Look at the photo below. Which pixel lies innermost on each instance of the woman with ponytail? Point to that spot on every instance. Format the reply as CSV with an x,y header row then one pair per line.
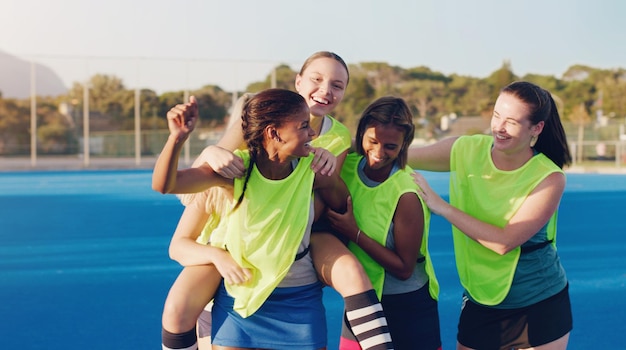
x,y
261,248
505,191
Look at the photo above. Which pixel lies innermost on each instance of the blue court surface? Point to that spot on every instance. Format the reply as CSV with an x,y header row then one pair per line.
x,y
84,262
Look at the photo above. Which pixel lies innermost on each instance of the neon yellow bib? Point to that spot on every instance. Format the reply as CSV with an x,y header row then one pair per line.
x,y
491,195
374,208
264,233
336,140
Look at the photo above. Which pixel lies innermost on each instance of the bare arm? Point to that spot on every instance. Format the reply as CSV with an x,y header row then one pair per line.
x,y
408,231
434,157
185,250
220,156
533,214
166,178
181,121
191,180
166,166
332,190
320,206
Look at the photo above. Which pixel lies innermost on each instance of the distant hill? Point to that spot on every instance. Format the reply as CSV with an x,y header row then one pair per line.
x,y
15,78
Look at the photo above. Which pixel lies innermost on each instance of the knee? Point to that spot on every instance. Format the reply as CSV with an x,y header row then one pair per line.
x,y
349,277
176,317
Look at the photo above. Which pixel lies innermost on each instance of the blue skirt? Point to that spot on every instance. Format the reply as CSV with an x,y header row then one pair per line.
x,y
291,318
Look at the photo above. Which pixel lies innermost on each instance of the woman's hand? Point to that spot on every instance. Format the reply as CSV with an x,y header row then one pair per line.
x,y
222,161
344,223
182,119
436,204
229,269
324,162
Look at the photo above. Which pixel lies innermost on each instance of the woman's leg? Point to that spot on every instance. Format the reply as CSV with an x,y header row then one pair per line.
x,y
190,293
340,269
559,344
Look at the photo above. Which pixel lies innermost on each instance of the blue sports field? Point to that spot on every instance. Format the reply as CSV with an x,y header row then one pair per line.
x,y
84,264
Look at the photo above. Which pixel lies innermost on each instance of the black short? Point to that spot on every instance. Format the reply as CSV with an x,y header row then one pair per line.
x,y
412,318
482,327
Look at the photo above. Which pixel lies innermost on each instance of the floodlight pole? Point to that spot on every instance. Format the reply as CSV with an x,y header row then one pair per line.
x,y
33,115
86,124
137,128
186,146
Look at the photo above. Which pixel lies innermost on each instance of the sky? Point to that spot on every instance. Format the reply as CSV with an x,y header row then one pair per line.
x,y
186,44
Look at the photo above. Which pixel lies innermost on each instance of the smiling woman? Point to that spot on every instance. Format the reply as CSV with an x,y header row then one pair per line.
x,y
505,191
261,248
388,225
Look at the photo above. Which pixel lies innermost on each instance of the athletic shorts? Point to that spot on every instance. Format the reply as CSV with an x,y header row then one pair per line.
x,y
482,327
204,322
291,318
412,320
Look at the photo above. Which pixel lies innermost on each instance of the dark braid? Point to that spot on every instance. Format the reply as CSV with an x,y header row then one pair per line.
x,y
268,108
253,148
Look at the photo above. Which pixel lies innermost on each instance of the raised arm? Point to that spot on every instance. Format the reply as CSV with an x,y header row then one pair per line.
x,y
533,214
181,120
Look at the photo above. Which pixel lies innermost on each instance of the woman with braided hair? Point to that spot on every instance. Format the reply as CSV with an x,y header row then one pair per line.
x,y
261,247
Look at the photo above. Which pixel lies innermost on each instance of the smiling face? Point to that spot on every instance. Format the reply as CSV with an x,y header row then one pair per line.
x,y
511,129
382,144
293,136
322,84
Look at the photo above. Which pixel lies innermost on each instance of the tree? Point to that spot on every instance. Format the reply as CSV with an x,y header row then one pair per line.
x,y
548,82
425,73
613,99
14,127
213,104
381,76
358,95
575,93
285,78
102,92
109,102
468,96
501,78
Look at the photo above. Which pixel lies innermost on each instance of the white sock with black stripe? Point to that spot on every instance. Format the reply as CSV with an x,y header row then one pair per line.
x,y
367,320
